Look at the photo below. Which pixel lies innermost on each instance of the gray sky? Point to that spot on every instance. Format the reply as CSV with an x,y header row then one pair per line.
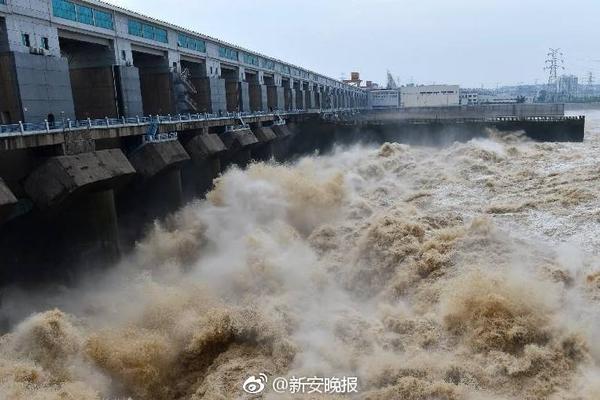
x,y
469,42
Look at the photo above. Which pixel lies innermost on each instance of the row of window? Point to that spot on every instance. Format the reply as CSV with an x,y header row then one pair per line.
x,y
147,31
91,16
226,52
442,92
26,39
251,59
283,68
191,43
83,14
268,64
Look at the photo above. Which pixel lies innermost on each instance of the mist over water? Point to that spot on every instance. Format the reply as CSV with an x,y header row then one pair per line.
x,y
465,272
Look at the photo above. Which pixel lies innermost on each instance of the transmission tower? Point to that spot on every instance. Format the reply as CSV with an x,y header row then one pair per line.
x,y
590,83
391,83
554,62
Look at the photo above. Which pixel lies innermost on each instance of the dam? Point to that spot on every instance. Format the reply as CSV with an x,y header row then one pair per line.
x,y
112,111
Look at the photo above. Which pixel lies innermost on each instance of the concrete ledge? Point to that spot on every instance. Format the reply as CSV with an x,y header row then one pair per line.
x,y
152,158
204,146
265,134
60,177
282,131
7,201
239,138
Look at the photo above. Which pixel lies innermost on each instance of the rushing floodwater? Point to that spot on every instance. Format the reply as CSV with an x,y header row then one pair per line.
x,y
468,272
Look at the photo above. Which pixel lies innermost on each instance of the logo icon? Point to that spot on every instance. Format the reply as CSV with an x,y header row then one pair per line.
x,y
254,385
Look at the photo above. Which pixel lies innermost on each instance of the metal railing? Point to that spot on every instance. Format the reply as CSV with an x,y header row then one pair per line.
x,y
434,119
68,125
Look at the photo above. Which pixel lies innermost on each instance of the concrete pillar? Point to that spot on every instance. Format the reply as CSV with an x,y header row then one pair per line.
x,y
92,230
7,201
59,178
258,97
309,97
34,88
244,97
206,150
318,97
276,97
300,96
275,92
290,95
78,190
239,143
263,151
159,166
211,96
280,146
212,90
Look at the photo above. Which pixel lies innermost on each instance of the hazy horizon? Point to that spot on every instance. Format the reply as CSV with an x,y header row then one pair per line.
x,y
422,41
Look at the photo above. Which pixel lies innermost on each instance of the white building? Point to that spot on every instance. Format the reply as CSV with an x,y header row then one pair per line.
x,y
429,96
384,98
496,99
468,98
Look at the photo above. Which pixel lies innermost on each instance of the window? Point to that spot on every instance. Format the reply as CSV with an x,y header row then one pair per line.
x,y
45,43
64,9
251,59
103,19
191,43
268,64
135,28
226,52
26,40
147,31
83,14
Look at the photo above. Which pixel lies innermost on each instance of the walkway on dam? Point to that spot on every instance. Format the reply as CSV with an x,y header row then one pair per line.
x,y
69,125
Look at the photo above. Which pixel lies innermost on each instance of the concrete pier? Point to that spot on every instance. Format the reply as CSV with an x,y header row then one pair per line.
x,y
264,150
7,201
206,150
152,158
159,165
60,178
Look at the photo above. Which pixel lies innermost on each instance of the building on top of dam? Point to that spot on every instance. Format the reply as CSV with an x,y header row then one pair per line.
x,y
63,59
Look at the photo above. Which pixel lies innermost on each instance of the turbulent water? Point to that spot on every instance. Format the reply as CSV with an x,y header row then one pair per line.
x,y
465,272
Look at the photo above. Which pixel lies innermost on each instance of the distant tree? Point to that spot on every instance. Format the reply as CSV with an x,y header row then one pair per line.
x,y
521,99
542,96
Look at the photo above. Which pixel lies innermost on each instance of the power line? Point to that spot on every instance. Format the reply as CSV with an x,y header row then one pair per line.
x,y
554,62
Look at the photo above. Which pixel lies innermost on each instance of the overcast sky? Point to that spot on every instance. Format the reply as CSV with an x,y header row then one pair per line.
x,y
467,42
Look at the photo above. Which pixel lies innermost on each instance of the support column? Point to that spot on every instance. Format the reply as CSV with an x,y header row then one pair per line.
x,y
244,89
264,150
300,96
281,144
318,96
290,95
34,88
77,190
159,166
211,88
206,150
7,201
257,91
239,143
309,97
275,93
